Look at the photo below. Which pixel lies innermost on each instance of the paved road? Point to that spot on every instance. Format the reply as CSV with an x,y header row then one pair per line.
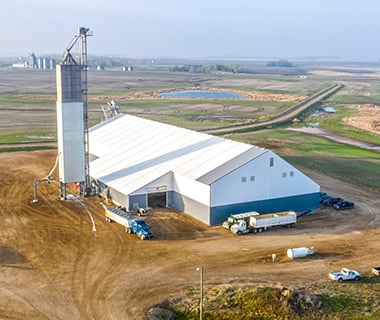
x,y
287,115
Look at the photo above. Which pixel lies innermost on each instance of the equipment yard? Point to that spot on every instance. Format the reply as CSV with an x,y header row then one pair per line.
x,y
55,266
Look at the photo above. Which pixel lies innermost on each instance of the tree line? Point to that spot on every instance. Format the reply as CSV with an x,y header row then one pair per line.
x,y
280,63
234,68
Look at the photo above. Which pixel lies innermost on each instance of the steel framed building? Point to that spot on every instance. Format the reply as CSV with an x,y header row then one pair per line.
x,y
144,163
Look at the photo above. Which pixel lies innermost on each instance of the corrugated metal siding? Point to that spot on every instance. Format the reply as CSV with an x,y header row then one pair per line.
x,y
118,197
192,207
70,127
70,123
298,203
69,83
137,201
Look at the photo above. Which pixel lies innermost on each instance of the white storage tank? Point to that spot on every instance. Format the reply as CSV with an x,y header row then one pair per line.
x,y
294,253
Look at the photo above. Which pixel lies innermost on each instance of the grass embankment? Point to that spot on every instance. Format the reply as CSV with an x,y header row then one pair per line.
x,y
324,301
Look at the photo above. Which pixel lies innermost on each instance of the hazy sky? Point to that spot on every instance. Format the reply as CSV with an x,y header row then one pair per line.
x,y
195,28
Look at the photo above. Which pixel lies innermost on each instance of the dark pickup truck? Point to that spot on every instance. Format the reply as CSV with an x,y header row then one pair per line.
x,y
341,205
330,202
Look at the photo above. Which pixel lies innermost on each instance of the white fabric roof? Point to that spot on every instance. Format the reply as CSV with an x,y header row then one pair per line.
x,y
132,151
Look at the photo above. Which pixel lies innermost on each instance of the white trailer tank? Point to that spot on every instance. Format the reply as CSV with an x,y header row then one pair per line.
x,y
294,253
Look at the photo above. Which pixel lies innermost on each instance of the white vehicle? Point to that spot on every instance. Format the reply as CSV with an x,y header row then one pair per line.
x,y
344,275
263,222
142,212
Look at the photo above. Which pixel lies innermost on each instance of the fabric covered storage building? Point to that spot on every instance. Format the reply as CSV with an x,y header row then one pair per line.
x,y
144,163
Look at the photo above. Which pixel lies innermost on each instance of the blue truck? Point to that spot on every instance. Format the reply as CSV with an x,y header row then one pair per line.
x,y
130,223
141,228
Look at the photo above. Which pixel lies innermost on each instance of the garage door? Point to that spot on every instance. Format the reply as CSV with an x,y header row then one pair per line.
x,y
157,200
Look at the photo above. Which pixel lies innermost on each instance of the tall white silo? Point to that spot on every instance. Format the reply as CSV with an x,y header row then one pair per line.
x,y
70,124
45,63
40,63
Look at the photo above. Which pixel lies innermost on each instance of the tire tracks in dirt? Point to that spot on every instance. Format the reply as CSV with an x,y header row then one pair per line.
x,y
91,286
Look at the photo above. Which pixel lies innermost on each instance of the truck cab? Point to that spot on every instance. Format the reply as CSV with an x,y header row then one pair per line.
x,y
234,218
229,222
240,227
141,228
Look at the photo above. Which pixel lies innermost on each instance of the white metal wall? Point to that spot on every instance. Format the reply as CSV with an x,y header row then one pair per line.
x,y
70,141
192,189
161,184
258,180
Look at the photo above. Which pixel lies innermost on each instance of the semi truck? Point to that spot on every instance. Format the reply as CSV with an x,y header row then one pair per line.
x,y
129,222
233,218
263,222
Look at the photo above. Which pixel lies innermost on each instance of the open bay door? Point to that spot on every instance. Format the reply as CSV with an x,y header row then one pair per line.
x,y
157,200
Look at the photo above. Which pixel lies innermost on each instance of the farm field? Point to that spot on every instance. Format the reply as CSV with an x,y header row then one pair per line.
x,y
54,266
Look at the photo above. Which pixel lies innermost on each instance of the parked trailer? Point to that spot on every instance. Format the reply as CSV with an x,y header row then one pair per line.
x,y
130,223
294,253
119,216
233,218
263,222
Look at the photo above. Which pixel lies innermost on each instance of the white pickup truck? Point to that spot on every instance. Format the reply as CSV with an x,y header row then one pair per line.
x,y
344,274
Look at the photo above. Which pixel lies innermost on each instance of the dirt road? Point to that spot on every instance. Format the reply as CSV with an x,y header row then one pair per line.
x,y
337,138
54,266
285,116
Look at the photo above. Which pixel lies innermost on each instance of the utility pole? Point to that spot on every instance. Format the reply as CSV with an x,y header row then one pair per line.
x,y
200,269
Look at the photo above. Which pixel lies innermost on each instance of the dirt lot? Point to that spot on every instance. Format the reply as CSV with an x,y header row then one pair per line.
x,y
367,118
54,266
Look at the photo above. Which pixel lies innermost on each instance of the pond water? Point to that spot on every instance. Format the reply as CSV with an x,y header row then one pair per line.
x,y
202,94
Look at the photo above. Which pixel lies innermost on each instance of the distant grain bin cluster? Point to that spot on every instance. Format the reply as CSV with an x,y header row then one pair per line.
x,y
34,62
